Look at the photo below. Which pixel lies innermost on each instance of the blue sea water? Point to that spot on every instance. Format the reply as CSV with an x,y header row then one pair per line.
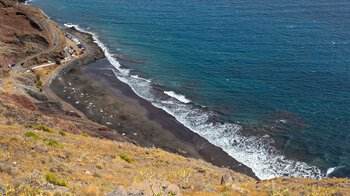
x,y
267,81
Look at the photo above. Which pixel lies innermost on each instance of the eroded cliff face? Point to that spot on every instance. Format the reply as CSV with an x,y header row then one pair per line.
x,y
25,31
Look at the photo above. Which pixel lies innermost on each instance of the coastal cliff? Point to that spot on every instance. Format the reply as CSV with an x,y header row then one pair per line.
x,y
27,33
52,146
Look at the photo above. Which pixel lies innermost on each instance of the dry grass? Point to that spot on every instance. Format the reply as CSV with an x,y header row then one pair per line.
x,y
87,164
6,84
84,160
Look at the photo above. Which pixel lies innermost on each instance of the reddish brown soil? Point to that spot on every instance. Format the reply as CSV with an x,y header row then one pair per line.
x,y
23,32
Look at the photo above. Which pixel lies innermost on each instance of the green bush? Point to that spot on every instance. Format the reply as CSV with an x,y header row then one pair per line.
x,y
61,132
37,77
125,158
38,82
45,128
41,127
33,135
52,142
85,135
50,177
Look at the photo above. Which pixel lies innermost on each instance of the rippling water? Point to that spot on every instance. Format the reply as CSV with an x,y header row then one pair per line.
x,y
268,81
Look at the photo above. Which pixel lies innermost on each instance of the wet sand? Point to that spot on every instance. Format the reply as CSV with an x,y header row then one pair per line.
x,y
94,90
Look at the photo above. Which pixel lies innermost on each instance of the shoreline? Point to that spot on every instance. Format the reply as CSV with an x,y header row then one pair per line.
x,y
263,164
163,130
235,155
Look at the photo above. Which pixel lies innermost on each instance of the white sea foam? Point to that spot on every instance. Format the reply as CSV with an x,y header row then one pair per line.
x,y
282,121
266,161
27,2
181,98
332,169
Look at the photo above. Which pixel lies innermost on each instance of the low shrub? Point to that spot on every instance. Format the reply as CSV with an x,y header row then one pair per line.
x,y
85,135
37,77
38,82
45,128
50,177
33,135
61,132
52,142
41,127
125,158
22,189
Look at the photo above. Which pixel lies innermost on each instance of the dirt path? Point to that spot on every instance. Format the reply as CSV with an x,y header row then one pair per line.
x,y
48,24
52,96
91,53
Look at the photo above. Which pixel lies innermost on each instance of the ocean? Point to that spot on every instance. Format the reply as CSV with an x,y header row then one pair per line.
x,y
267,81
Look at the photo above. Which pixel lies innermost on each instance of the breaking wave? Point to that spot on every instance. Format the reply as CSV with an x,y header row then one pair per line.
x,y
255,152
181,98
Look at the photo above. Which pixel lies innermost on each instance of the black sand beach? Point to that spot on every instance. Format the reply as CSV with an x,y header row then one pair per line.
x,y
94,90
90,86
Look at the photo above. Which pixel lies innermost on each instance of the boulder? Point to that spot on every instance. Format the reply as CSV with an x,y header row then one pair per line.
x,y
172,189
119,191
147,188
226,178
237,188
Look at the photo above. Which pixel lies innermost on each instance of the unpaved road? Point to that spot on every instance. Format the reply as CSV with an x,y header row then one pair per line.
x,y
45,24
